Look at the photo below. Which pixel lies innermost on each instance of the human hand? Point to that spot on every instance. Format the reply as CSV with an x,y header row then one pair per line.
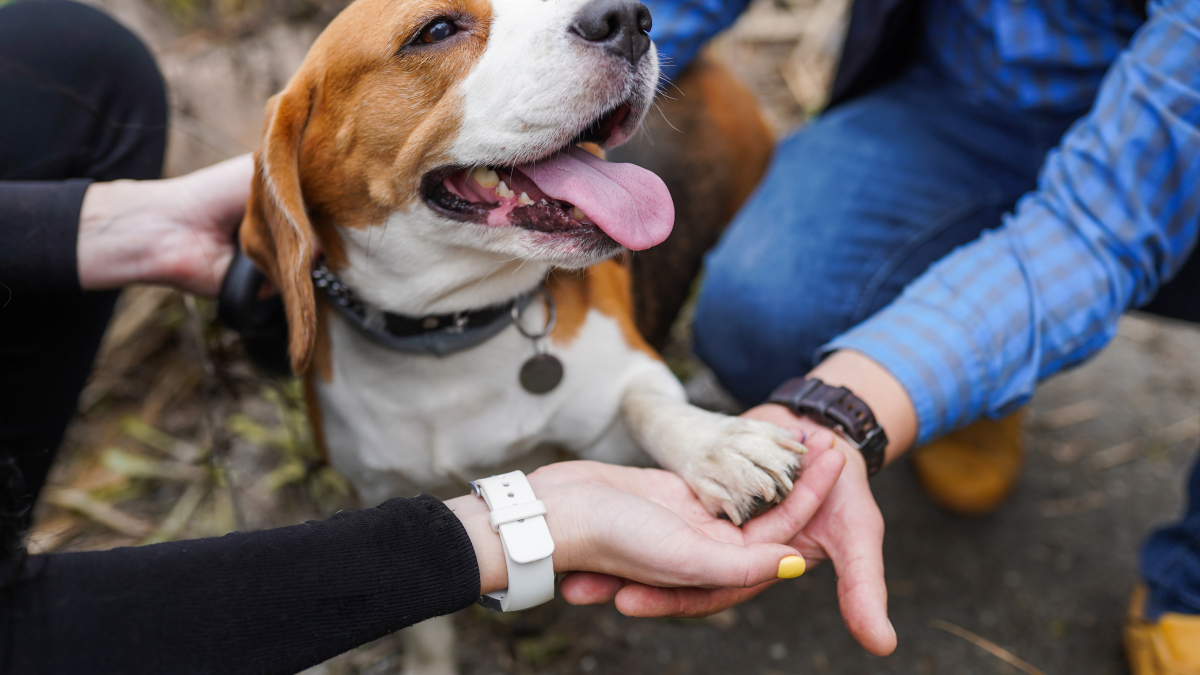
x,y
846,528
176,231
821,468
643,525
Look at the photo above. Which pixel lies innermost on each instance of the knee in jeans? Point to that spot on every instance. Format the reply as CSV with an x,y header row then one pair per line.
x,y
734,305
744,334
755,329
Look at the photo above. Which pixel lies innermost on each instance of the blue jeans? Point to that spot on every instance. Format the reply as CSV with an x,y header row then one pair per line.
x,y
855,206
1171,560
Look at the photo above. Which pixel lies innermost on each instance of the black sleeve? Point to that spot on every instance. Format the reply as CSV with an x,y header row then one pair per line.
x,y
276,601
39,228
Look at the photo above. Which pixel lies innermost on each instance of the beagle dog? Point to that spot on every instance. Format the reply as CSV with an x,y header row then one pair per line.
x,y
426,166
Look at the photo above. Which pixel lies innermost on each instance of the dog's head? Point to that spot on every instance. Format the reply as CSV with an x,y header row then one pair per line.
x,y
454,122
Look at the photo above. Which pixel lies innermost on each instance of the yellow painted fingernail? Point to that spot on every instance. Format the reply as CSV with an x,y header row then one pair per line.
x,y
791,567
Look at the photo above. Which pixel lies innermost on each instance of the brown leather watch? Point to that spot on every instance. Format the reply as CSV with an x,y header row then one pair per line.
x,y
839,409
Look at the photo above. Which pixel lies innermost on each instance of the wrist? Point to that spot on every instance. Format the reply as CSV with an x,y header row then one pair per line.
x,y
560,501
155,231
816,435
883,393
473,513
855,462
489,552
117,242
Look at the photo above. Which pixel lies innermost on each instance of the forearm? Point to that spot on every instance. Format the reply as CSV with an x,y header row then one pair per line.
x,y
275,601
472,512
122,239
1113,218
882,392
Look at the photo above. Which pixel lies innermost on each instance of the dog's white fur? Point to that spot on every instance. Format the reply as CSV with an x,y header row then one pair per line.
x,y
396,423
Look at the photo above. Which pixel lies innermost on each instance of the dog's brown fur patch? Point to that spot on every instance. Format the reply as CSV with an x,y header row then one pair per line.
x,y
340,146
603,287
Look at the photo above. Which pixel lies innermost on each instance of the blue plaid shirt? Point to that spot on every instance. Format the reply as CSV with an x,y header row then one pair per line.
x,y
1032,54
1114,216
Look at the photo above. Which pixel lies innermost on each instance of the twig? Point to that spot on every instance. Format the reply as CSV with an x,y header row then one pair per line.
x,y
96,510
1183,430
180,514
986,645
1071,414
1072,506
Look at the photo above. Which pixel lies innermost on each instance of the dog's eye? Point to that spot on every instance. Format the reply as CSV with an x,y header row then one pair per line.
x,y
438,30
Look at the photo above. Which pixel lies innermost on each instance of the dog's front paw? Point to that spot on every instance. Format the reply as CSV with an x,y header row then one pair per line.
x,y
744,469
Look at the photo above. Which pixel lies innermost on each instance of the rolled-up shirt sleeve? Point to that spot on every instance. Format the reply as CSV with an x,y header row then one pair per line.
x,y
1113,218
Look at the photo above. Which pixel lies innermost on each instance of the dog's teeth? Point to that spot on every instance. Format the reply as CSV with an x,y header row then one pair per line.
x,y
577,214
485,176
524,200
503,191
544,202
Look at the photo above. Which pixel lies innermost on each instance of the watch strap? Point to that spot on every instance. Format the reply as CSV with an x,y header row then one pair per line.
x,y
519,518
839,409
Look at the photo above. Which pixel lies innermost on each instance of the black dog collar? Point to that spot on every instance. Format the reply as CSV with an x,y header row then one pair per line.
x,y
437,334
262,323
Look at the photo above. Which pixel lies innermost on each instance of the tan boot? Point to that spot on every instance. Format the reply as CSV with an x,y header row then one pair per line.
x,y
973,470
1170,646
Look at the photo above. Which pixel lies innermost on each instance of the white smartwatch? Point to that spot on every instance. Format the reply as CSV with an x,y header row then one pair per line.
x,y
519,518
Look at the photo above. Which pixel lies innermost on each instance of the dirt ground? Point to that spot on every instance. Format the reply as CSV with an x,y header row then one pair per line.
x,y
177,437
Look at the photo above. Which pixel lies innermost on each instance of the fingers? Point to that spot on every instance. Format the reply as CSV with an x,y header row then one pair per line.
x,y
855,545
862,597
590,588
781,523
818,437
650,601
862,594
709,563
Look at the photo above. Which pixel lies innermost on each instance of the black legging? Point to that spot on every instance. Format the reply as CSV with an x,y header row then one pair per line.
x,y
81,100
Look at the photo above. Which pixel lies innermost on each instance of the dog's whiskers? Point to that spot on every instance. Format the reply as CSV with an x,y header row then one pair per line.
x,y
664,116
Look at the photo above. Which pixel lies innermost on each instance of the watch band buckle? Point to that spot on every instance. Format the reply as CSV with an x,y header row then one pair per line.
x,y
875,431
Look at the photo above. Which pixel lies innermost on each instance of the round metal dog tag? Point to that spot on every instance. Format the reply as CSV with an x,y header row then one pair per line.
x,y
541,373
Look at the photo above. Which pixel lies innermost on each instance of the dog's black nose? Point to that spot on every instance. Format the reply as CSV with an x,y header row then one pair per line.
x,y
620,26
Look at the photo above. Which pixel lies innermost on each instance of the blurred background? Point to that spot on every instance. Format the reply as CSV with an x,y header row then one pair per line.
x,y
178,437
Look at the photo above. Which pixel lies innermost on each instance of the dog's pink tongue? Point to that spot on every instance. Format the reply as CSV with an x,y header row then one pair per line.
x,y
629,203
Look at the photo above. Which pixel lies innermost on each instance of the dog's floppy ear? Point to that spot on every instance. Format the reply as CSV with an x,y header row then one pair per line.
x,y
276,232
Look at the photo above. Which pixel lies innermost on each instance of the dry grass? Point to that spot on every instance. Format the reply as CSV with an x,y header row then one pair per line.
x,y
177,437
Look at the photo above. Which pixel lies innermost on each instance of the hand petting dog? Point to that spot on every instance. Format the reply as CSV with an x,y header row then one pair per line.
x,y
178,231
